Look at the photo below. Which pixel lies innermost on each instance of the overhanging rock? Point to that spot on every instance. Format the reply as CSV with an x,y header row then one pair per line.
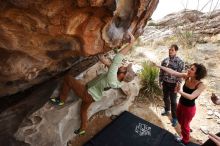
x,y
39,39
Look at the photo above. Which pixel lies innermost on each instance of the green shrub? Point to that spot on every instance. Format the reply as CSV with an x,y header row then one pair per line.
x,y
149,75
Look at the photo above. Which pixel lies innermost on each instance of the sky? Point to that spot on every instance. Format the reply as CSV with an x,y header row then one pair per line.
x,y
169,6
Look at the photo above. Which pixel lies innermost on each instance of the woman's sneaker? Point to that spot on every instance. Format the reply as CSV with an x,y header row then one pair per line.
x,y
179,140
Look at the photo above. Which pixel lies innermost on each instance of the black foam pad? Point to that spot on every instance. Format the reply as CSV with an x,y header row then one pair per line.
x,y
130,130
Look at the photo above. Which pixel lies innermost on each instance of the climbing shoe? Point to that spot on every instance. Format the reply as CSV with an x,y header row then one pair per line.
x,y
80,132
57,101
113,117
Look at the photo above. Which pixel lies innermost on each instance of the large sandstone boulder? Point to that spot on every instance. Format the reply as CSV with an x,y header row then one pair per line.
x,y
39,39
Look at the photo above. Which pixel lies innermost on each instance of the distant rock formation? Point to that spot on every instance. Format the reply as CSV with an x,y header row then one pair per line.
x,y
201,24
39,39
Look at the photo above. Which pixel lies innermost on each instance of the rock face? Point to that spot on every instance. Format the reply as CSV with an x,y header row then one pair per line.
x,y
54,126
39,39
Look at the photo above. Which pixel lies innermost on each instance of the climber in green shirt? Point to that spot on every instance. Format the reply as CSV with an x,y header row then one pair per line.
x,y
94,89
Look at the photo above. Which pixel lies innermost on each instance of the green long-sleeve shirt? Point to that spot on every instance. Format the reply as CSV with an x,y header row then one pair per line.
x,y
106,80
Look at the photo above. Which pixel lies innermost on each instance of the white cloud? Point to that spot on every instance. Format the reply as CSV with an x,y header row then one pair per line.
x,y
169,6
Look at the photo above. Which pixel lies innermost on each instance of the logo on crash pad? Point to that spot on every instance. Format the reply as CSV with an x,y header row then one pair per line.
x,y
143,129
